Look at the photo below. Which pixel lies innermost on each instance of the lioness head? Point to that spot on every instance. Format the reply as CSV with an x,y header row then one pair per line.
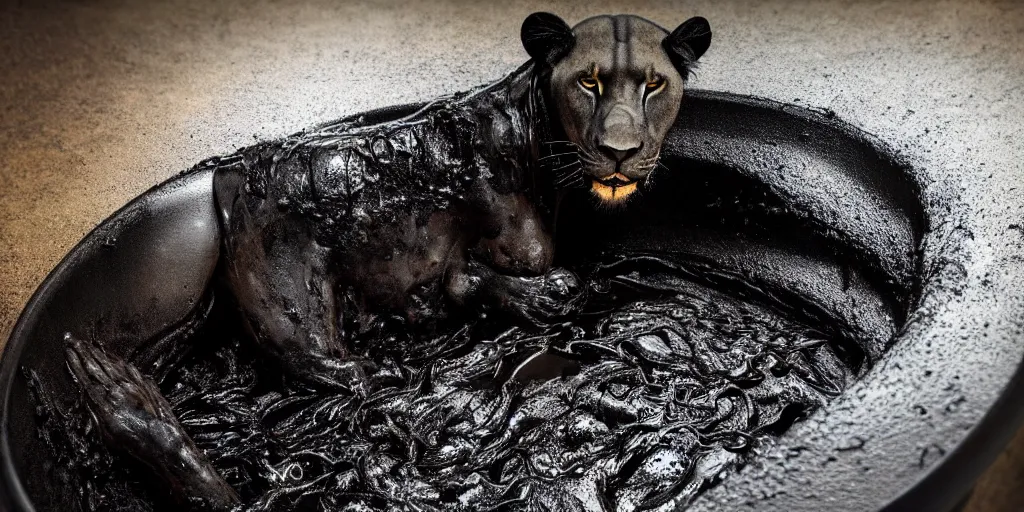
x,y
616,83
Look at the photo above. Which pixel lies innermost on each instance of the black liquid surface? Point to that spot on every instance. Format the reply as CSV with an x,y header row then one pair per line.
x,y
651,396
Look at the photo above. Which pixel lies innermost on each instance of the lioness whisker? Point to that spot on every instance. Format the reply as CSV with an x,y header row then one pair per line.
x,y
589,159
556,155
569,182
565,166
649,181
559,163
561,176
572,180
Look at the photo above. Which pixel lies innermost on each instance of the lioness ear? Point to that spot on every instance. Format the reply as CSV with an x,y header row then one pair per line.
x,y
687,43
546,37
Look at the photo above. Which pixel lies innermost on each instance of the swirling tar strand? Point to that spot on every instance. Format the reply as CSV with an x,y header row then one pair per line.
x,y
648,398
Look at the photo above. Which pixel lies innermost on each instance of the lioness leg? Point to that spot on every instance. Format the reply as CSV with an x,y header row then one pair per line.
x,y
516,276
280,278
539,300
135,418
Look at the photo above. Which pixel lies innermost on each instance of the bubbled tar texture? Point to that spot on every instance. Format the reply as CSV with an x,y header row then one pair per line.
x,y
349,180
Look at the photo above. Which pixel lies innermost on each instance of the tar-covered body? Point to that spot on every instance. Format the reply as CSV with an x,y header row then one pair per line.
x,y
448,208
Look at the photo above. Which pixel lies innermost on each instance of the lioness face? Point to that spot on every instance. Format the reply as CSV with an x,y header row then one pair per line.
x,y
616,83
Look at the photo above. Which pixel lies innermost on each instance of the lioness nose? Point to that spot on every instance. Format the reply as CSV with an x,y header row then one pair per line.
x,y
619,153
619,139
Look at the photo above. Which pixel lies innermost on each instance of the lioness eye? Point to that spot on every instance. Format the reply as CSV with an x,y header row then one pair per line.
x,y
588,82
655,84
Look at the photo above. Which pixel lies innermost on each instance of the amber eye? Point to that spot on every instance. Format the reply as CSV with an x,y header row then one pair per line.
x,y
654,85
589,82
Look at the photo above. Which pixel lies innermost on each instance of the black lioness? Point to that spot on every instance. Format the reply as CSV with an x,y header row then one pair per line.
x,y
455,201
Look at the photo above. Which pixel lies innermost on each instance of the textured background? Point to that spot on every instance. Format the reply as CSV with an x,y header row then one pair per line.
x,y
102,99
